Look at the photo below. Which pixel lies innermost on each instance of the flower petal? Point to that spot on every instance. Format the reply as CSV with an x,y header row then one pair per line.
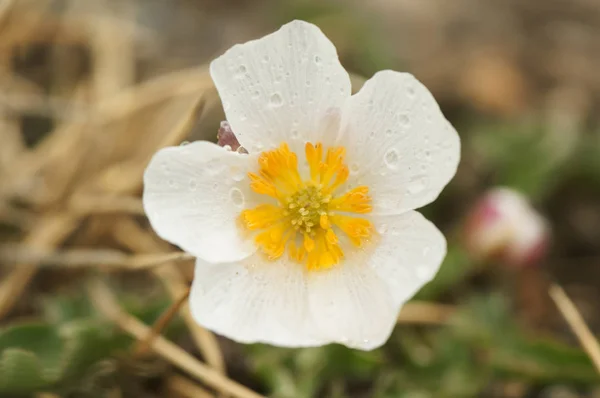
x,y
399,143
253,301
351,305
355,303
193,195
408,254
288,85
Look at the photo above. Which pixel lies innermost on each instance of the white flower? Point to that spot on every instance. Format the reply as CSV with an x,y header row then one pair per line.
x,y
503,225
311,238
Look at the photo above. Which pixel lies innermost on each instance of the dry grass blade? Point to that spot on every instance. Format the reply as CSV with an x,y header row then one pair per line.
x,y
425,313
577,323
77,258
166,317
51,230
130,235
182,387
102,204
106,303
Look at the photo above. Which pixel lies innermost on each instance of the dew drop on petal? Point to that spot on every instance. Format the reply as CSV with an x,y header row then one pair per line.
x,y
184,143
422,272
416,184
318,60
275,100
404,120
410,90
171,183
237,177
391,158
388,132
237,197
382,229
241,71
295,134
193,185
354,168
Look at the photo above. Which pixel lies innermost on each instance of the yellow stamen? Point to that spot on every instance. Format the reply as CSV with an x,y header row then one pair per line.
x,y
307,211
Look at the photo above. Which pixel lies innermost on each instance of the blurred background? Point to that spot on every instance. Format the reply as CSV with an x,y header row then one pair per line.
x,y
90,89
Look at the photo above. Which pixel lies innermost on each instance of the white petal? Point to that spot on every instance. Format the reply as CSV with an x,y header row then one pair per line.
x,y
408,254
399,143
286,86
355,303
193,195
351,305
253,301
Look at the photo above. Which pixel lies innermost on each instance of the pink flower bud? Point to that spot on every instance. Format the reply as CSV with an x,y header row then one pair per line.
x,y
504,226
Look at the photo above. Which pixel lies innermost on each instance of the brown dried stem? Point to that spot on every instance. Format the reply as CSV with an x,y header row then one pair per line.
x,y
104,300
577,323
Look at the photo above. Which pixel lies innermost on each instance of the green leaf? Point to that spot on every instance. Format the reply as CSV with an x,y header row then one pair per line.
x,y
21,372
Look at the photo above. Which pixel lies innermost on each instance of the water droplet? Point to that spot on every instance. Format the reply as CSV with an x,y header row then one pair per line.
x,y
184,143
410,90
328,80
422,272
417,184
354,167
276,100
388,132
295,134
215,186
391,158
227,148
243,117
238,176
241,71
404,120
237,197
372,134
317,60
382,228
171,183
308,83
226,105
255,94
193,185
366,341
266,59
426,251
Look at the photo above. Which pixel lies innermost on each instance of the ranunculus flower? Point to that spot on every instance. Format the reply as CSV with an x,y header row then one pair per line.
x,y
504,226
311,237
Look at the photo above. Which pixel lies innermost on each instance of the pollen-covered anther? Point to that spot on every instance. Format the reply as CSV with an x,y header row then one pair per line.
x,y
306,216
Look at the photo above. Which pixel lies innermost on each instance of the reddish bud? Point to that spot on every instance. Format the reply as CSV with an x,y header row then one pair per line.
x,y
504,226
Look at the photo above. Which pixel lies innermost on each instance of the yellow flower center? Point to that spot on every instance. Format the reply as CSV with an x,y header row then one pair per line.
x,y
306,213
